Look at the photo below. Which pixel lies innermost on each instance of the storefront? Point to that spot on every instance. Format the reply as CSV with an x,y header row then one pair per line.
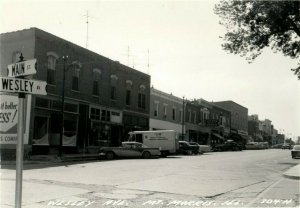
x,y
106,127
48,126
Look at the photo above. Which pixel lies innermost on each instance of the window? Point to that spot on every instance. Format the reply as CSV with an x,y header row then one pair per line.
x,y
95,113
142,100
156,109
165,111
174,114
195,117
180,115
95,88
97,77
113,92
75,79
128,97
190,116
51,65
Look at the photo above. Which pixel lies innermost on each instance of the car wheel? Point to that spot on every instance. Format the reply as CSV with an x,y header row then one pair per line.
x,y
109,155
189,152
146,155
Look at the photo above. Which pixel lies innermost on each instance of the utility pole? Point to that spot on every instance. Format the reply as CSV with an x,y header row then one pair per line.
x,y
87,28
148,61
182,125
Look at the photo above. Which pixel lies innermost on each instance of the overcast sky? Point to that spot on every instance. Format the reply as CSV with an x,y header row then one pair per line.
x,y
185,54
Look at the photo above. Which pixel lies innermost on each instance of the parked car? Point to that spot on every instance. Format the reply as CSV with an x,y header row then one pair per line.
x,y
205,148
129,150
186,148
199,147
296,151
277,146
254,146
229,145
286,146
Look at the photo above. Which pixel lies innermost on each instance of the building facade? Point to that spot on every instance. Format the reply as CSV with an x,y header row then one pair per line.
x,y
103,98
239,115
166,112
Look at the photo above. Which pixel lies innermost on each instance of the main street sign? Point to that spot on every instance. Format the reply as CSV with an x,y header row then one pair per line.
x,y
9,84
23,68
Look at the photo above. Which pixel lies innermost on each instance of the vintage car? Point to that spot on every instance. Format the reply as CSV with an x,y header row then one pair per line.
x,y
296,151
129,150
229,145
187,149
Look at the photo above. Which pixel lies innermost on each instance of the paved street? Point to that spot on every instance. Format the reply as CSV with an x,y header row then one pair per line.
x,y
218,179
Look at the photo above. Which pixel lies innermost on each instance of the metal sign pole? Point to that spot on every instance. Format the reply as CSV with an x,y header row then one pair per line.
x,y
20,150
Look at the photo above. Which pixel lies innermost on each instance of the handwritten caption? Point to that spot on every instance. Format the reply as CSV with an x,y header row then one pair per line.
x,y
172,203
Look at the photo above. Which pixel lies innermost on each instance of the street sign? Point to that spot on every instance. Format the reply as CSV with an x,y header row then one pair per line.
x,y
23,68
9,84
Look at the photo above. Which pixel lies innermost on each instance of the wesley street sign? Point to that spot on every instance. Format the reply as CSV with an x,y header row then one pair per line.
x,y
9,84
22,68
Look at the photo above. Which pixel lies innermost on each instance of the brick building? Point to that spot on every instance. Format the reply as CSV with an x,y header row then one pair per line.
x,y
103,98
166,112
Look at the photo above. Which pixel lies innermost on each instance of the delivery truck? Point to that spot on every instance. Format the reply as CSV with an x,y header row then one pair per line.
x,y
165,140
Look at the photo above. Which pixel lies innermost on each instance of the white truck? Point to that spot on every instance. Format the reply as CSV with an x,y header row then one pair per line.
x,y
165,140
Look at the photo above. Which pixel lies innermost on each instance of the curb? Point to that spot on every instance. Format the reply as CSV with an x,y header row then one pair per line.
x,y
292,177
293,172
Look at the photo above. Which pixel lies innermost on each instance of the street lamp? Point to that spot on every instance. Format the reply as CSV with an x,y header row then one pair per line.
x,y
65,59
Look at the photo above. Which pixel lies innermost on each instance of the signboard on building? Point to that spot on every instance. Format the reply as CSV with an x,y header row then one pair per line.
x,y
212,122
9,118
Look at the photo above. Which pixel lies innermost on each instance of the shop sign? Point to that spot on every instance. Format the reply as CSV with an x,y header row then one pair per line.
x,y
212,122
9,119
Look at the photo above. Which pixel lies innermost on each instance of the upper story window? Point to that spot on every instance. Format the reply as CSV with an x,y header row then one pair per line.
x,y
156,103
190,116
195,117
96,81
76,74
174,114
165,110
51,67
180,115
142,97
128,92
113,86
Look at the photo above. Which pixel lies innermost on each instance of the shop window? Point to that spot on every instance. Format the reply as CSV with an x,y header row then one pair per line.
x,y
41,102
40,131
105,115
95,113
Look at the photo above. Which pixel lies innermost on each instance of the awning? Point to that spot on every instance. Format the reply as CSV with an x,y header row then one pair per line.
x,y
218,136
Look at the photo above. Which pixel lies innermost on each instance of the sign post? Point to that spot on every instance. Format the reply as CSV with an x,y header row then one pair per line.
x,y
22,86
20,152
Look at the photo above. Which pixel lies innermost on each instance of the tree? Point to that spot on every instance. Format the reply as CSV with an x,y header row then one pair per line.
x,y
253,25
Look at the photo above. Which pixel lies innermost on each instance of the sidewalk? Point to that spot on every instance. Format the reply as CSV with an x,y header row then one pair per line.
x,y
36,159
293,173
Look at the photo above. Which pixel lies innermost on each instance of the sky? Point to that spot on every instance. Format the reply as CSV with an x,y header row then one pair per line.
x,y
178,43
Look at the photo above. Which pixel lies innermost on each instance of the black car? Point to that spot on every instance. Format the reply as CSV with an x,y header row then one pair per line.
x,y
227,146
187,149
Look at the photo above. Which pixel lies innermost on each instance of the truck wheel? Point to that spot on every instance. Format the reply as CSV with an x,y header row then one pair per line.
x,y
109,155
189,152
146,155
